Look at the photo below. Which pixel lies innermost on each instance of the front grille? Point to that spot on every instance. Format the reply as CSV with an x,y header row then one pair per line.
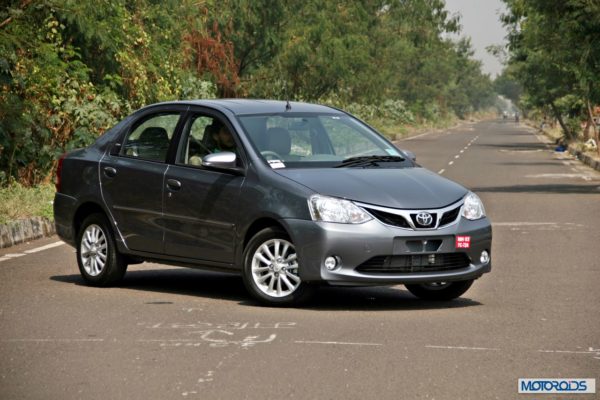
x,y
405,264
388,218
449,216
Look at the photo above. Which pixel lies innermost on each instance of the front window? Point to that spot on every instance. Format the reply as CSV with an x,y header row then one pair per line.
x,y
203,135
299,140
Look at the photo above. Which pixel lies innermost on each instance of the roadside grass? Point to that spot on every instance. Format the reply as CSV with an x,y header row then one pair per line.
x,y
18,201
395,131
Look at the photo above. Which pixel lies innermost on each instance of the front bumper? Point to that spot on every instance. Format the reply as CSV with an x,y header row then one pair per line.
x,y
354,245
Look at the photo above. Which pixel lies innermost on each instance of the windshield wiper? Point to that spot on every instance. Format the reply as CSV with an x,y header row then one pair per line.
x,y
368,160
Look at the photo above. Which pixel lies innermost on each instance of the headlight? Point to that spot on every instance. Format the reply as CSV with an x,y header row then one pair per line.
x,y
331,209
473,207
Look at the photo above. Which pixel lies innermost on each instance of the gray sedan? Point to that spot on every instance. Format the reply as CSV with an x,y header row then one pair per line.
x,y
290,195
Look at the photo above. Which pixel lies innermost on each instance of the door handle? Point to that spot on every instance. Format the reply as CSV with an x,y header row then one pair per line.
x,y
110,172
173,184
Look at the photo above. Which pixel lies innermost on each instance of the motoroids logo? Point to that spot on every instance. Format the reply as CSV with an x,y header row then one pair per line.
x,y
556,385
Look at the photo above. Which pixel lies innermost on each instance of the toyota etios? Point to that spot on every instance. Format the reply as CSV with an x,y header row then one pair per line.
x,y
288,194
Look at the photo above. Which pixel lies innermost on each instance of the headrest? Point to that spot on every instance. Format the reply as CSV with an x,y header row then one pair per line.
x,y
155,135
279,141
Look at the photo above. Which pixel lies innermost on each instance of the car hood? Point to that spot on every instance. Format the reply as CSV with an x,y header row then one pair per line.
x,y
407,188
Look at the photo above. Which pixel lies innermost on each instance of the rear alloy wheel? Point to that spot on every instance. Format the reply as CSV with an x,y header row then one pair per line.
x,y
440,291
271,269
99,262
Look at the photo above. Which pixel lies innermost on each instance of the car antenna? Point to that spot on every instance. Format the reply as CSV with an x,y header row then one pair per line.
x,y
288,106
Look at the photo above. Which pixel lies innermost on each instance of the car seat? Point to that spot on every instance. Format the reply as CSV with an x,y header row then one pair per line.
x,y
153,144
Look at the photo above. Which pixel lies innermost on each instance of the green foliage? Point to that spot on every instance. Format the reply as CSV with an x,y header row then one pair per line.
x,y
507,85
392,110
69,69
555,55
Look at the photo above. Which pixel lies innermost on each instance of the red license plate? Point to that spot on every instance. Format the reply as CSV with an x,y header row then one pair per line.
x,y
463,242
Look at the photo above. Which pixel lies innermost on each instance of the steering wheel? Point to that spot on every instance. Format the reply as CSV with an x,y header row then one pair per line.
x,y
270,155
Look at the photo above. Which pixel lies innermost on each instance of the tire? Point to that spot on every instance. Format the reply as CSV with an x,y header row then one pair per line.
x,y
440,291
270,270
95,245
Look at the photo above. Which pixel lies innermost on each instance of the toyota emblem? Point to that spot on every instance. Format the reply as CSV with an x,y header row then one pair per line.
x,y
424,218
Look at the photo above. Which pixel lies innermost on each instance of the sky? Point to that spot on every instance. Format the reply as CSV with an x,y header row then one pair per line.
x,y
480,19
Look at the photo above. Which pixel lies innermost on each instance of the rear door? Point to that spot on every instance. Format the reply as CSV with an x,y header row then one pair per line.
x,y
201,205
133,178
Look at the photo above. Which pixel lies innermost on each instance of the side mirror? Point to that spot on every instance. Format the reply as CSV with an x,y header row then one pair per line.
x,y
223,160
410,155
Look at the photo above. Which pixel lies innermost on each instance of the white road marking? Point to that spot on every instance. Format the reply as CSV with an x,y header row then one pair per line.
x,y
441,171
559,176
539,226
462,151
523,223
42,248
597,352
10,256
340,343
451,162
457,156
418,136
462,348
53,340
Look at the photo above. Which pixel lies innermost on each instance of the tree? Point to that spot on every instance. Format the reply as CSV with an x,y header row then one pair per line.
x,y
555,54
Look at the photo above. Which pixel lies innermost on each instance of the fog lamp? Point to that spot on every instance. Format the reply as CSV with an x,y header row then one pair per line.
x,y
485,257
331,263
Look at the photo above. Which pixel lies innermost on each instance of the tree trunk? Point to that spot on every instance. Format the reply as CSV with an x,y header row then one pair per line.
x,y
590,124
564,127
586,131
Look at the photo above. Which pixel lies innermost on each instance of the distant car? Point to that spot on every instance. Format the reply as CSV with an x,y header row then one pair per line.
x,y
290,195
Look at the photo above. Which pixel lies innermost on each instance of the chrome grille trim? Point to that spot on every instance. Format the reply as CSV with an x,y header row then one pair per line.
x,y
406,214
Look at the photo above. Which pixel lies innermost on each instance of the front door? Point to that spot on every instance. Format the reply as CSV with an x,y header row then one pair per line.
x,y
200,205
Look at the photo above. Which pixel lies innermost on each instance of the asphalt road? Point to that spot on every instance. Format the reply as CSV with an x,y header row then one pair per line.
x,y
173,333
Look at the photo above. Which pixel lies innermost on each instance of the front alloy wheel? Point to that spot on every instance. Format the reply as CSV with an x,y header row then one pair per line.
x,y
275,268
271,269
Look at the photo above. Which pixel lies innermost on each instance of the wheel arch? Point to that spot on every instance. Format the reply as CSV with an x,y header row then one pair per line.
x,y
85,209
259,225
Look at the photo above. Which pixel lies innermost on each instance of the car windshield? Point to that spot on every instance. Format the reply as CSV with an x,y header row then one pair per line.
x,y
300,140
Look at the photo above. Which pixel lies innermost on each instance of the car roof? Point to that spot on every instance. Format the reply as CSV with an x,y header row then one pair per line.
x,y
252,106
